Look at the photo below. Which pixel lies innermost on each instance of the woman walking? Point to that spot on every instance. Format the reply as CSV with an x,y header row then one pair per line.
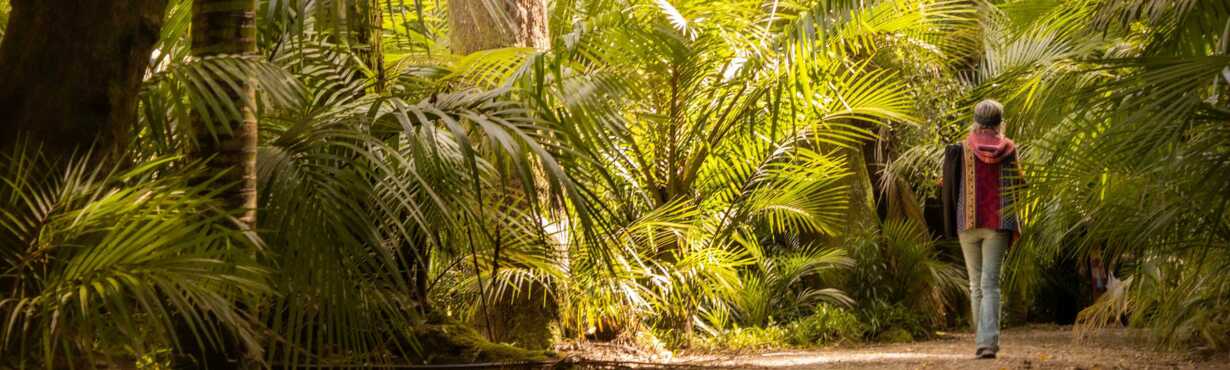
x,y
981,173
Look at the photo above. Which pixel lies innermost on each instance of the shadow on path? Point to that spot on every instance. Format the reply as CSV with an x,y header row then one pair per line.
x,y
1031,347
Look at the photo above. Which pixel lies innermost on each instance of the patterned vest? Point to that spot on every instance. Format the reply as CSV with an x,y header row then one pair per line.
x,y
1009,180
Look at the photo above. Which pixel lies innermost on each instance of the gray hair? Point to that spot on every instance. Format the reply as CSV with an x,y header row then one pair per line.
x,y
989,114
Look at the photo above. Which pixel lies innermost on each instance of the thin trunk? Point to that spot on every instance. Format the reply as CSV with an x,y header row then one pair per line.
x,y
417,248
903,203
366,22
862,215
894,198
71,71
228,27
476,25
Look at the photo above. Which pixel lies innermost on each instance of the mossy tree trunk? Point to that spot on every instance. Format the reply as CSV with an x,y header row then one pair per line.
x,y
70,72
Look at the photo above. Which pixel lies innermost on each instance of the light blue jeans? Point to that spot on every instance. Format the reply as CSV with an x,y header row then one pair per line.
x,y
984,254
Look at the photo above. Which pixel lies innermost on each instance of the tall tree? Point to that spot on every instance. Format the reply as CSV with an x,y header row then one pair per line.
x,y
476,25
71,71
228,142
489,24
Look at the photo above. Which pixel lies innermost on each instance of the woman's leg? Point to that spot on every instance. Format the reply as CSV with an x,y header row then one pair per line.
x,y
971,247
993,246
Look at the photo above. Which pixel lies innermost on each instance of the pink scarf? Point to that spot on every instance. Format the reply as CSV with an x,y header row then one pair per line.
x,y
990,146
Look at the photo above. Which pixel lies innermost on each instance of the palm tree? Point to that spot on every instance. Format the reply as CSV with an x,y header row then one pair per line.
x,y
227,140
659,166
1157,118
695,115
106,264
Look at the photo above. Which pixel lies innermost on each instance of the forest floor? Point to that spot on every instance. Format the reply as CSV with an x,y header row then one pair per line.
x,y
1030,347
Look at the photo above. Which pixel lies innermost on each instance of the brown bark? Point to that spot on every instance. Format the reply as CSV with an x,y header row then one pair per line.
x,y
225,27
489,24
70,72
228,27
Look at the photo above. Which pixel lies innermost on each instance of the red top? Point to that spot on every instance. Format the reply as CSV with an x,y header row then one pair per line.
x,y
986,194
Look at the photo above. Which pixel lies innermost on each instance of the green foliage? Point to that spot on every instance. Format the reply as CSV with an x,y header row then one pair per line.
x,y
358,189
748,339
712,139
1119,110
1133,172
103,262
902,267
659,204
893,322
780,286
827,325
1179,303
4,16
453,342
666,167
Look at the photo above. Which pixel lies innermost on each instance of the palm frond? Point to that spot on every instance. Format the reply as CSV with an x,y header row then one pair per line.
x,y
120,253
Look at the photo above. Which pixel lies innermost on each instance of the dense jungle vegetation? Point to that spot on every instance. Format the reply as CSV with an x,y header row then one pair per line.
x,y
284,183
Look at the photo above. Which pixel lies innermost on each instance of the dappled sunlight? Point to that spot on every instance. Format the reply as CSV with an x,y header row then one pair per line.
x,y
281,184
803,359
1035,346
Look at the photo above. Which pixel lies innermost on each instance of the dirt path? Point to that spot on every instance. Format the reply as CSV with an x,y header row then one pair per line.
x,y
1034,347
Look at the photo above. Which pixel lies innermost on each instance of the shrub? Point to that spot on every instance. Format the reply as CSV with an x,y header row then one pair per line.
x,y
884,320
749,338
827,325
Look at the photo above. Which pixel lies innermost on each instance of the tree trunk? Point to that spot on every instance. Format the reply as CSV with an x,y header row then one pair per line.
x,y
365,22
894,198
489,24
228,27
862,211
70,72
476,25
